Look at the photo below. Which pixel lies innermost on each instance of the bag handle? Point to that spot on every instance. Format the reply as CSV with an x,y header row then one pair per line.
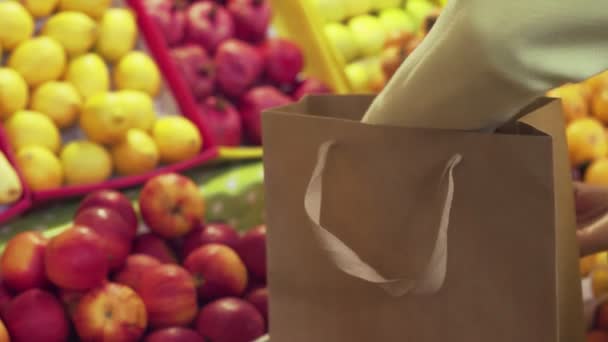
x,y
349,262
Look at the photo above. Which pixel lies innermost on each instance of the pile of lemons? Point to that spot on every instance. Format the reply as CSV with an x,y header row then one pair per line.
x,y
79,68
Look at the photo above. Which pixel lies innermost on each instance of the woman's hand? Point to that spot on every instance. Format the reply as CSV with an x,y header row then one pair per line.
x,y
592,217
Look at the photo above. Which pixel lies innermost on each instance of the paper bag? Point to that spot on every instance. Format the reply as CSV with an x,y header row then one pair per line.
x,y
395,234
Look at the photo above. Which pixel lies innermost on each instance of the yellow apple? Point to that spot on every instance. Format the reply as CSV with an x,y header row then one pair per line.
x,y
369,34
384,4
396,19
343,39
358,77
418,10
332,10
358,7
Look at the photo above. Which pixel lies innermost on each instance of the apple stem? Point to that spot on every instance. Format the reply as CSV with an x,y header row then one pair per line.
x,y
213,12
205,70
220,104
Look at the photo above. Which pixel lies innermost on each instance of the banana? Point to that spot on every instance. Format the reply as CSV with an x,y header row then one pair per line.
x,y
10,185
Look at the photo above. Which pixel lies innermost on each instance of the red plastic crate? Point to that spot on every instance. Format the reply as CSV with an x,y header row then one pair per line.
x,y
25,202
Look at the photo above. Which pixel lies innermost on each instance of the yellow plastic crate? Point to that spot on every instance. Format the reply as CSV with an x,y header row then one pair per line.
x,y
299,21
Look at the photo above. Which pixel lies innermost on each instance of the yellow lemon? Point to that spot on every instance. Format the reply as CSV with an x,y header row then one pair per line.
x,y
38,60
13,92
60,101
137,71
177,139
140,107
75,31
104,120
85,162
27,128
136,154
40,167
16,25
117,34
40,8
89,74
92,8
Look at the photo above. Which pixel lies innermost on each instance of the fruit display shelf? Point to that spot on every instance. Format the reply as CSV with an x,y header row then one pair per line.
x,y
24,202
356,45
168,102
228,63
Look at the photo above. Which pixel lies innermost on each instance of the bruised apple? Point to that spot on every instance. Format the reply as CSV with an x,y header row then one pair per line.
x,y
218,271
112,312
36,315
210,233
169,294
155,247
22,263
171,205
244,321
113,200
115,233
76,260
134,269
175,334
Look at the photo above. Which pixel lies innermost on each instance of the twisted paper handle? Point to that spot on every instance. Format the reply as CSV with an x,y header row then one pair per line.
x,y
349,262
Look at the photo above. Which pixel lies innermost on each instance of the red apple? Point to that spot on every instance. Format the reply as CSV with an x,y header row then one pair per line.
x,y
113,200
70,299
75,259
208,24
113,230
252,249
176,334
171,205
238,66
259,299
224,121
5,299
169,293
197,68
251,18
135,268
155,247
283,60
253,103
230,320
218,271
112,312
211,233
36,315
311,86
170,16
22,263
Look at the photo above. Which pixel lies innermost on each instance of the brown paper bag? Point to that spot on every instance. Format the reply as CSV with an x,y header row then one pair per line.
x,y
395,234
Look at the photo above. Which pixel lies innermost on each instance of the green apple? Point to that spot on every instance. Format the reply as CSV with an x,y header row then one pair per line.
x,y
384,4
418,10
343,39
395,20
369,34
332,10
358,7
358,76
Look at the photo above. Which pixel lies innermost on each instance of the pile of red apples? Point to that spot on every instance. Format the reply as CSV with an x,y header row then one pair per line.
x,y
103,280
232,68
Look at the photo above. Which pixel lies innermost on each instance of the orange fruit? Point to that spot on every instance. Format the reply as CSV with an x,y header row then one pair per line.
x,y
598,82
599,281
597,173
599,105
574,102
586,265
587,140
